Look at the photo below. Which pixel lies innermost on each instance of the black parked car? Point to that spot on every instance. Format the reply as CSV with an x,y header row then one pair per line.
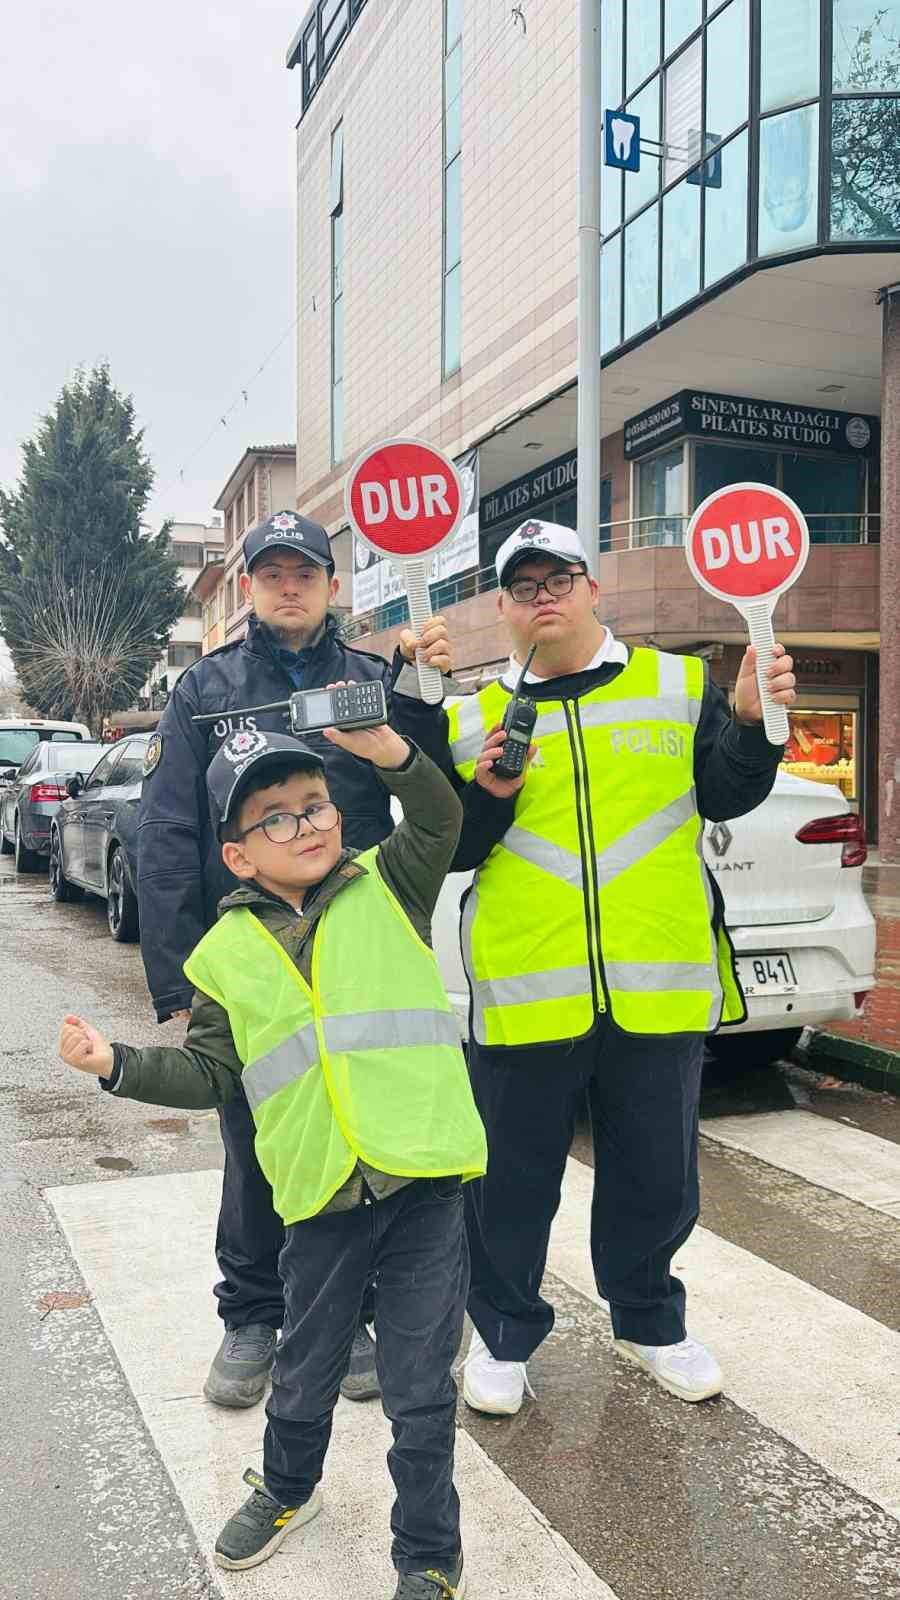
x,y
93,839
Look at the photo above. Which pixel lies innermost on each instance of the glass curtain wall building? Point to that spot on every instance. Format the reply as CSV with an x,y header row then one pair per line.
x,y
770,128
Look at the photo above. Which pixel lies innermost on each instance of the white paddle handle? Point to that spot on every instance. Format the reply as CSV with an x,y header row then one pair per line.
x,y
431,687
775,718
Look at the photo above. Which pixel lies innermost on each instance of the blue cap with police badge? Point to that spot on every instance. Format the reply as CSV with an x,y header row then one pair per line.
x,y
287,530
251,752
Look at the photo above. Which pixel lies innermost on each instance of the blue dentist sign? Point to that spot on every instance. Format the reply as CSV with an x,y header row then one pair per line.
x,y
622,140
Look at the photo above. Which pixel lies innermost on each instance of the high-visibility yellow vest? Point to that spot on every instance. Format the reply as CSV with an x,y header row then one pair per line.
x,y
365,1064
597,897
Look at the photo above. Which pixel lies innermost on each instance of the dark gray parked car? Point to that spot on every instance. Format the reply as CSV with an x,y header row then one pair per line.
x,y
29,800
93,840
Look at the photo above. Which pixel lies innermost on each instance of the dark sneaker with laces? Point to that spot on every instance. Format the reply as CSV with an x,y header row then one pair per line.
x,y
432,1584
361,1380
241,1366
254,1533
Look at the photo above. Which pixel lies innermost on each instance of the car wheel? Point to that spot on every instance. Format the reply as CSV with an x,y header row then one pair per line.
x,y
121,902
26,860
741,1052
60,887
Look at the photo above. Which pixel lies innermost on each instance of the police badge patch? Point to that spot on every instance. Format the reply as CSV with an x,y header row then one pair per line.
x,y
153,754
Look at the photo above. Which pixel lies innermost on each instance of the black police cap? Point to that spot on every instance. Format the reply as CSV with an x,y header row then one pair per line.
x,y
287,530
249,752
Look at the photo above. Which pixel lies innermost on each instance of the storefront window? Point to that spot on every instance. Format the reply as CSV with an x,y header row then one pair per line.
x,y
866,44
611,294
642,54
823,747
682,17
681,245
683,89
717,465
865,159
641,186
661,491
726,213
641,271
789,52
830,493
788,180
727,71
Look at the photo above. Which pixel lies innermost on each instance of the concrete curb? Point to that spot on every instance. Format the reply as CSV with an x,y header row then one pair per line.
x,y
871,1065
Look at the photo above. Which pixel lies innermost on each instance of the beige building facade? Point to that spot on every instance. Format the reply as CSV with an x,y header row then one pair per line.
x,y
262,483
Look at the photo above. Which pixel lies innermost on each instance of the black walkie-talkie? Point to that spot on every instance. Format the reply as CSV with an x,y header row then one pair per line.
x,y
518,725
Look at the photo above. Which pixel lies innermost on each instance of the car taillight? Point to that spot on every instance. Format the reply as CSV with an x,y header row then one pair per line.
x,y
46,791
846,830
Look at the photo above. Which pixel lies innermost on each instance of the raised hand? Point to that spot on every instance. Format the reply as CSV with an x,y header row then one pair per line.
x,y
502,788
782,683
83,1047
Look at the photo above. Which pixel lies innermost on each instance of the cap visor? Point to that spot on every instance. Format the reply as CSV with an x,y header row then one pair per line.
x,y
293,545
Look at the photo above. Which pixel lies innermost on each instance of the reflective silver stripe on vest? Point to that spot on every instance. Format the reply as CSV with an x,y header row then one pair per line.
x,y
652,977
288,1061
470,723
640,840
390,1030
655,708
552,858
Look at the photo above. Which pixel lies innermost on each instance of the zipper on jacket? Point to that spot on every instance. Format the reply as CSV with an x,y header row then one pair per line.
x,y
588,866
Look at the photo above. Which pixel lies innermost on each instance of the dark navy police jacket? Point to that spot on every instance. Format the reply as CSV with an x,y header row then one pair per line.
x,y
181,878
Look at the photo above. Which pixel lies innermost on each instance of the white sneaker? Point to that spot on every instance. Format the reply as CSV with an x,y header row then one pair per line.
x,y
497,1387
687,1370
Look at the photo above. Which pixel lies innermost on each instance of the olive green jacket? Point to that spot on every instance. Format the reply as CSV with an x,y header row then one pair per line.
x,y
413,861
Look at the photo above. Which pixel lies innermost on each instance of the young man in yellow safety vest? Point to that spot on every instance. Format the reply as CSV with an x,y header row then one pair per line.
x,y
596,955
317,992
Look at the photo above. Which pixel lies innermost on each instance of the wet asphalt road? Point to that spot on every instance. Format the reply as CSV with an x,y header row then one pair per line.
x,y
666,1502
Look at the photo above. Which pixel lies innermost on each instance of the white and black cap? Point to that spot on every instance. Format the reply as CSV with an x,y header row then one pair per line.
x,y
251,751
534,538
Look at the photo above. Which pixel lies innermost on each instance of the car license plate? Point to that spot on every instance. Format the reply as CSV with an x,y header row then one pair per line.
x,y
772,974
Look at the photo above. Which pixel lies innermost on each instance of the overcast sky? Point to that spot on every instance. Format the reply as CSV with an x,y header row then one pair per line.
x,y
147,205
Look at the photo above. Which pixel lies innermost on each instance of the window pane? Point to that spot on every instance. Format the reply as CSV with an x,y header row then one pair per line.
x,y
454,21
452,320
610,200
336,188
682,17
642,54
789,52
865,160
831,493
642,186
661,490
727,71
453,129
726,213
611,55
611,295
683,89
681,245
866,44
717,465
452,213
334,26
788,180
337,422
337,340
453,74
641,271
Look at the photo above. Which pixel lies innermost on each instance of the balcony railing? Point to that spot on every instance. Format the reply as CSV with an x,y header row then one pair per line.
x,y
636,533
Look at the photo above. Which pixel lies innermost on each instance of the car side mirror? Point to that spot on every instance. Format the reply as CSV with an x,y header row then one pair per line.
x,y
74,785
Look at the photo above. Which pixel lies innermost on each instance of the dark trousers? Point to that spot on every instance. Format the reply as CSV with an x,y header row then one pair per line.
x,y
414,1245
250,1234
643,1095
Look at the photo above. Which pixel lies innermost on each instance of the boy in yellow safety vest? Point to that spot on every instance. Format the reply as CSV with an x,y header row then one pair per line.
x,y
318,993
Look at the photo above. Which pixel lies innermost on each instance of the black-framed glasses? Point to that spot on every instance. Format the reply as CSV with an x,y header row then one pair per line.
x,y
282,827
556,584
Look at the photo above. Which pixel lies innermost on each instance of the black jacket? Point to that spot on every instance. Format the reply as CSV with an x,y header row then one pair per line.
x,y
181,878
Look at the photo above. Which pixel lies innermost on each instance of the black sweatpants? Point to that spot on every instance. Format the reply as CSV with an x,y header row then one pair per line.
x,y
414,1245
250,1234
643,1095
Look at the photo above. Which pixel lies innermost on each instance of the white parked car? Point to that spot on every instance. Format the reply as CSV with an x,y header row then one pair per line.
x,y
791,878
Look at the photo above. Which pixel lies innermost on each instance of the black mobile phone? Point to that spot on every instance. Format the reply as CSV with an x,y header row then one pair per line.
x,y
350,705
518,725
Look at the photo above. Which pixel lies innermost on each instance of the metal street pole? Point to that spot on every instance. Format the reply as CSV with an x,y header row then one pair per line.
x,y
589,249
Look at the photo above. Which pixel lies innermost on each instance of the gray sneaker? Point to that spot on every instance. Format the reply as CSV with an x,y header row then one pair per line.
x,y
361,1379
241,1366
254,1533
432,1584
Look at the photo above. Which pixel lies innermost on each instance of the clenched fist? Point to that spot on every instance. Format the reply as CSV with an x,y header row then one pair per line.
x,y
83,1047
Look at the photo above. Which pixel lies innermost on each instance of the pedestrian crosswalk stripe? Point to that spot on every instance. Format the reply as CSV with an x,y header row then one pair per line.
x,y
820,1373
163,1327
847,1161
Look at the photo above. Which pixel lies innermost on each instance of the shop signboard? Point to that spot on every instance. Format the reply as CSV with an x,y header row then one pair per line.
x,y
533,489
739,419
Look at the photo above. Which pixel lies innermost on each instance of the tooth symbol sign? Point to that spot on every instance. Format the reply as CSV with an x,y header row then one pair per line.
x,y
622,135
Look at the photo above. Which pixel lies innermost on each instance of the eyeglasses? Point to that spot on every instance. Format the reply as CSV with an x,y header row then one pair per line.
x,y
283,826
556,584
